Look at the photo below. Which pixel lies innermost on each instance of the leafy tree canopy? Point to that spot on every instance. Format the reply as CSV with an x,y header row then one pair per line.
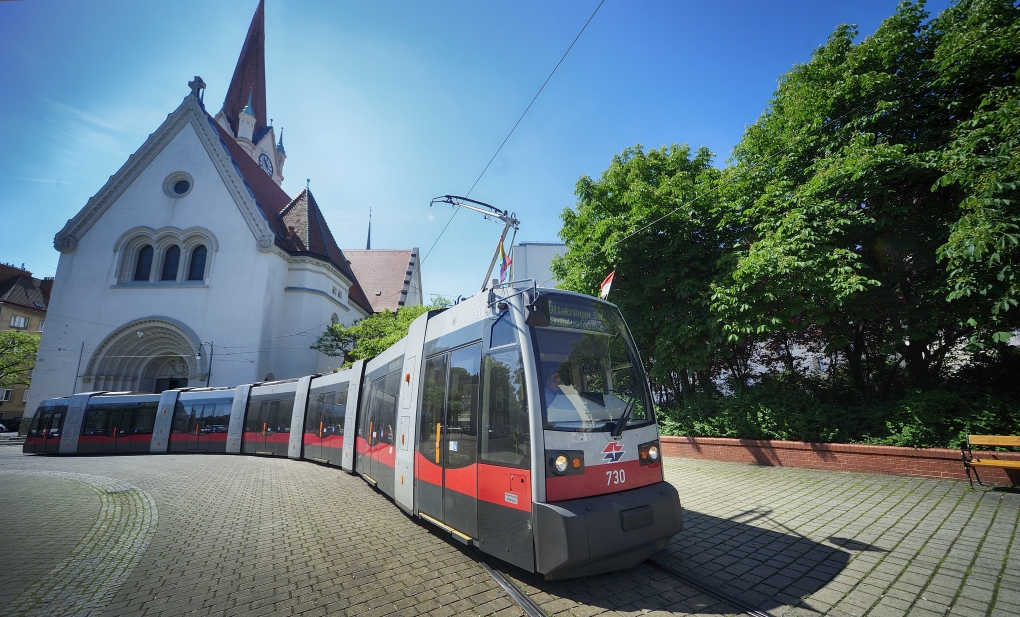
x,y
17,357
371,336
648,218
870,215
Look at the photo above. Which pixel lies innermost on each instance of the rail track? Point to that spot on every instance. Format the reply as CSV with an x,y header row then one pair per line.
x,y
531,609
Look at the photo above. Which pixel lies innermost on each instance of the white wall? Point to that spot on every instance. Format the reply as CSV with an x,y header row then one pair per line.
x,y
88,303
531,260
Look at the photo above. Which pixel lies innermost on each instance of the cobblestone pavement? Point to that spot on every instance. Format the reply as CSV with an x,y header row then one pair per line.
x,y
243,535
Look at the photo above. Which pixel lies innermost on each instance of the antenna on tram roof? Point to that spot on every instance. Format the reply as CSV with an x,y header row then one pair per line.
x,y
509,220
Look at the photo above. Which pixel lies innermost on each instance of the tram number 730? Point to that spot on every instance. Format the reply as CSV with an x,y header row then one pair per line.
x,y
615,476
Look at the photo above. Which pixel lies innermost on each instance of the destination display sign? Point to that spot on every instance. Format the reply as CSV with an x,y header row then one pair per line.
x,y
569,313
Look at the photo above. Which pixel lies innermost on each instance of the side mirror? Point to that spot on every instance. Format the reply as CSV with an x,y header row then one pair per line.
x,y
538,312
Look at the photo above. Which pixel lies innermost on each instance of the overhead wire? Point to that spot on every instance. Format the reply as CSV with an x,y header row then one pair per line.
x,y
507,138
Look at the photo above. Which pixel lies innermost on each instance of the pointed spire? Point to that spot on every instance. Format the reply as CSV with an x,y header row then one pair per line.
x,y
279,146
247,108
250,75
368,244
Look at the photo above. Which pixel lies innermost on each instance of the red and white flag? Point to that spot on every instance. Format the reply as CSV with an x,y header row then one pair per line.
x,y
606,284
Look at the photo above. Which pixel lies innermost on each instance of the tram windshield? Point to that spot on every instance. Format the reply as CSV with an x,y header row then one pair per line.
x,y
588,367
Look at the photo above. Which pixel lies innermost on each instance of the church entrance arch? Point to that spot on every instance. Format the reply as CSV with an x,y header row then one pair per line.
x,y
146,355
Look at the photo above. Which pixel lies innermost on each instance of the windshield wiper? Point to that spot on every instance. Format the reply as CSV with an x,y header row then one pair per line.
x,y
622,422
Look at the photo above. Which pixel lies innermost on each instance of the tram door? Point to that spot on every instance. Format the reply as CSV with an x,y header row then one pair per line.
x,y
267,423
262,423
315,425
119,420
448,446
379,461
44,432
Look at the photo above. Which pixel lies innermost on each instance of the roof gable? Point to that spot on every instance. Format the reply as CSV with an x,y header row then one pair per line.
x,y
233,165
305,231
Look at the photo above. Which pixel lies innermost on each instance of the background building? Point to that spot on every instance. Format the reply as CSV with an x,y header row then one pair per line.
x,y
532,259
391,278
23,301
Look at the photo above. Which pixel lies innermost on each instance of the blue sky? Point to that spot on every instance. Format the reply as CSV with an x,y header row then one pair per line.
x,y
388,104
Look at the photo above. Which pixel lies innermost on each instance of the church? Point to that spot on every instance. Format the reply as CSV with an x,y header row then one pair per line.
x,y
192,267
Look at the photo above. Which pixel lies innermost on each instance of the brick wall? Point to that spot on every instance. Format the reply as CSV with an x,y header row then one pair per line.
x,y
917,462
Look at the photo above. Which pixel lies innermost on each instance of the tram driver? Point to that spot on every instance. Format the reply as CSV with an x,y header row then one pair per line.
x,y
560,409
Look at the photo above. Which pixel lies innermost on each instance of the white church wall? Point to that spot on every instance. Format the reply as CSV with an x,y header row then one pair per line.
x,y
88,302
309,306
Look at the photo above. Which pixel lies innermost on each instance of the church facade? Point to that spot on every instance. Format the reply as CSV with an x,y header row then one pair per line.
x,y
191,253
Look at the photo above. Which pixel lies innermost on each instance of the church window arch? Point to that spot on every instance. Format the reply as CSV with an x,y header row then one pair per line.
x,y
191,262
171,260
143,265
196,267
334,319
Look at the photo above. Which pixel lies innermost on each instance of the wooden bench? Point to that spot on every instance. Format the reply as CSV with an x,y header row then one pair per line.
x,y
987,440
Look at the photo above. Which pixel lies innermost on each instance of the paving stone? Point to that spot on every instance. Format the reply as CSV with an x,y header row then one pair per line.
x,y
248,536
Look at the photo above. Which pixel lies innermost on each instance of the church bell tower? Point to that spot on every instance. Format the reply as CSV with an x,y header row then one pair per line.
x,y
244,108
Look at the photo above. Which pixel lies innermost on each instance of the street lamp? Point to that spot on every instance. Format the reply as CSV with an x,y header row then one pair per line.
x,y
198,356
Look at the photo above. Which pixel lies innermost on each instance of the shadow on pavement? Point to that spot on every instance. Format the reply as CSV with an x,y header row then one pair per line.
x,y
749,556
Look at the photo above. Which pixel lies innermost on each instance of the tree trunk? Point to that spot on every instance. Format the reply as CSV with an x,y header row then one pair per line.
x,y
917,364
855,359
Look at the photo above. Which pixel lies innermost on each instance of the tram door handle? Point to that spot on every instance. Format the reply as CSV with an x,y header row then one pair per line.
x,y
439,434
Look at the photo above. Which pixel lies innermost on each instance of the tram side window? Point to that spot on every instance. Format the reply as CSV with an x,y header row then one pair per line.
x,y
462,407
386,413
39,422
218,416
334,410
286,414
253,417
145,418
503,332
433,407
314,412
506,430
180,422
47,421
94,422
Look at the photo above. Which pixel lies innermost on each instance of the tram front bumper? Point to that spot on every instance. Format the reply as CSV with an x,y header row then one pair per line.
x,y
593,535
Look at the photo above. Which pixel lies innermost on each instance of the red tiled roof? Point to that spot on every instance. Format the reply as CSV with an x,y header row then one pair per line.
x,y
281,211
250,77
306,231
384,275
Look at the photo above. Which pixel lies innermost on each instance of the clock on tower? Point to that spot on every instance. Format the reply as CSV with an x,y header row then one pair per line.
x,y
265,163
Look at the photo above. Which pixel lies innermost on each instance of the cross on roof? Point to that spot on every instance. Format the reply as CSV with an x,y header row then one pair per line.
x,y
196,86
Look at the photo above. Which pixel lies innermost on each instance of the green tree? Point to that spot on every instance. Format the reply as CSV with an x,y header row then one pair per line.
x,y
983,251
371,336
17,357
838,199
650,218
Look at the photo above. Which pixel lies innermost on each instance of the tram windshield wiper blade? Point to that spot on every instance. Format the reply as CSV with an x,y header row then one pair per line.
x,y
622,422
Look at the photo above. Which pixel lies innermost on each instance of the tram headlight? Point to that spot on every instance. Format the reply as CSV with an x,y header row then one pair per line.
x,y
564,463
648,453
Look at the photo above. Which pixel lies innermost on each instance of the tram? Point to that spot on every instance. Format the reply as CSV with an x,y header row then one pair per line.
x,y
519,421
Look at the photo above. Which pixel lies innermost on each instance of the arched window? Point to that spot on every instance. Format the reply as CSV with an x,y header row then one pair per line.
x,y
333,319
197,270
170,263
144,265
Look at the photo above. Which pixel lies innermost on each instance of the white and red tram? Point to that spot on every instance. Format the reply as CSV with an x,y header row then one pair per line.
x,y
519,420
